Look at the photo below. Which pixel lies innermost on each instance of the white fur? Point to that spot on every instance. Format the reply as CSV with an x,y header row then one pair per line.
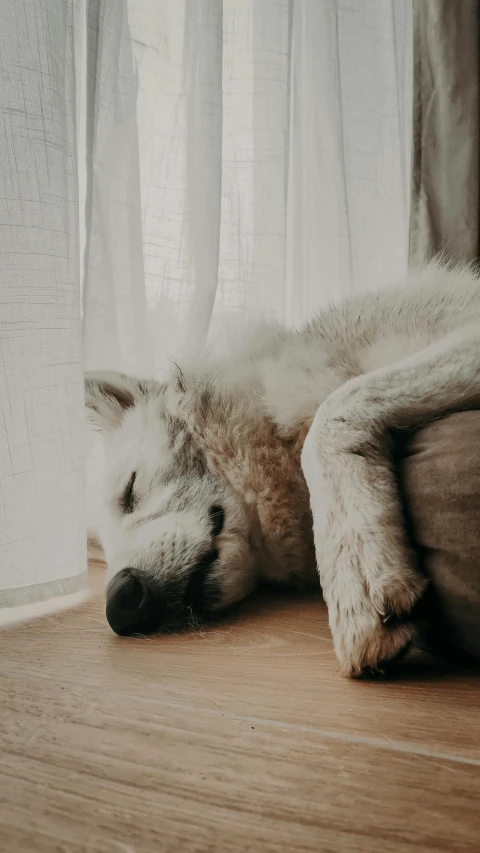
x,y
384,360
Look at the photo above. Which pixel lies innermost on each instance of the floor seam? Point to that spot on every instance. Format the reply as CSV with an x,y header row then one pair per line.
x,y
406,747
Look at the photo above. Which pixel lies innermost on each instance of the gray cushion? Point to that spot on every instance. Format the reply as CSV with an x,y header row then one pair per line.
x,y
440,479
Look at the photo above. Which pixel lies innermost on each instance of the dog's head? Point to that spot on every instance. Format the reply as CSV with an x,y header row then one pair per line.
x,y
200,499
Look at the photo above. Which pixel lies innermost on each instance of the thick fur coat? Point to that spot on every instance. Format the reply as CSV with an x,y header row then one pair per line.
x,y
275,464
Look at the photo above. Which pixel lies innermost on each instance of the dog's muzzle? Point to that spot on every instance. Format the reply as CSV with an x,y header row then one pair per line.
x,y
138,603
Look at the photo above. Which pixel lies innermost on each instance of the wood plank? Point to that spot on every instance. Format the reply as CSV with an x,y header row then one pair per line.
x,y
241,737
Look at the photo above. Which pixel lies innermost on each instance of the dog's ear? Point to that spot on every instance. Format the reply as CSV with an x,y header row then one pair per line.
x,y
108,395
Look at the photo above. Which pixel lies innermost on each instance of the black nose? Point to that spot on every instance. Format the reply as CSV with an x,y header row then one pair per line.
x,y
137,604
132,607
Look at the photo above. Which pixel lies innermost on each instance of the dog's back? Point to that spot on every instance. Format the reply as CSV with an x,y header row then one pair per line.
x,y
295,371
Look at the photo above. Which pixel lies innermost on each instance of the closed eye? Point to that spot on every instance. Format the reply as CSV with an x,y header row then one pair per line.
x,y
217,518
127,499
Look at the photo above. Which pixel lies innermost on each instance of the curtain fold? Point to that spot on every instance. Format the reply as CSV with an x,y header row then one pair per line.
x,y
446,153
350,150
115,310
42,458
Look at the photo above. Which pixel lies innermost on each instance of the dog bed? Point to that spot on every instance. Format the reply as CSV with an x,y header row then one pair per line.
x,y
439,467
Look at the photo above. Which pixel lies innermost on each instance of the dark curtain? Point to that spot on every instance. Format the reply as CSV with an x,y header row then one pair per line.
x,y
445,158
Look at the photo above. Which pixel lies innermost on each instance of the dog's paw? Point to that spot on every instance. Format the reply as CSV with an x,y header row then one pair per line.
x,y
394,594
370,597
366,646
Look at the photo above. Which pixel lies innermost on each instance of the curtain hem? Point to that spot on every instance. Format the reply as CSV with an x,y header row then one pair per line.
x,y
41,592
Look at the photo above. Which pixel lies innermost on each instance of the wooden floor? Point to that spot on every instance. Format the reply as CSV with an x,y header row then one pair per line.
x,y
242,737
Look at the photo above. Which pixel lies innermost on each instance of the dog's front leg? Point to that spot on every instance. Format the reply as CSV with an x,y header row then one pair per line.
x,y
367,570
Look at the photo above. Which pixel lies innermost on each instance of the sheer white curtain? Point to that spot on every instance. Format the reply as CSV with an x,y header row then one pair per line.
x,y
42,460
250,158
235,159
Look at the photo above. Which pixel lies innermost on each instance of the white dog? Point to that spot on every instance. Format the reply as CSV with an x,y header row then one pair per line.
x,y
204,496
